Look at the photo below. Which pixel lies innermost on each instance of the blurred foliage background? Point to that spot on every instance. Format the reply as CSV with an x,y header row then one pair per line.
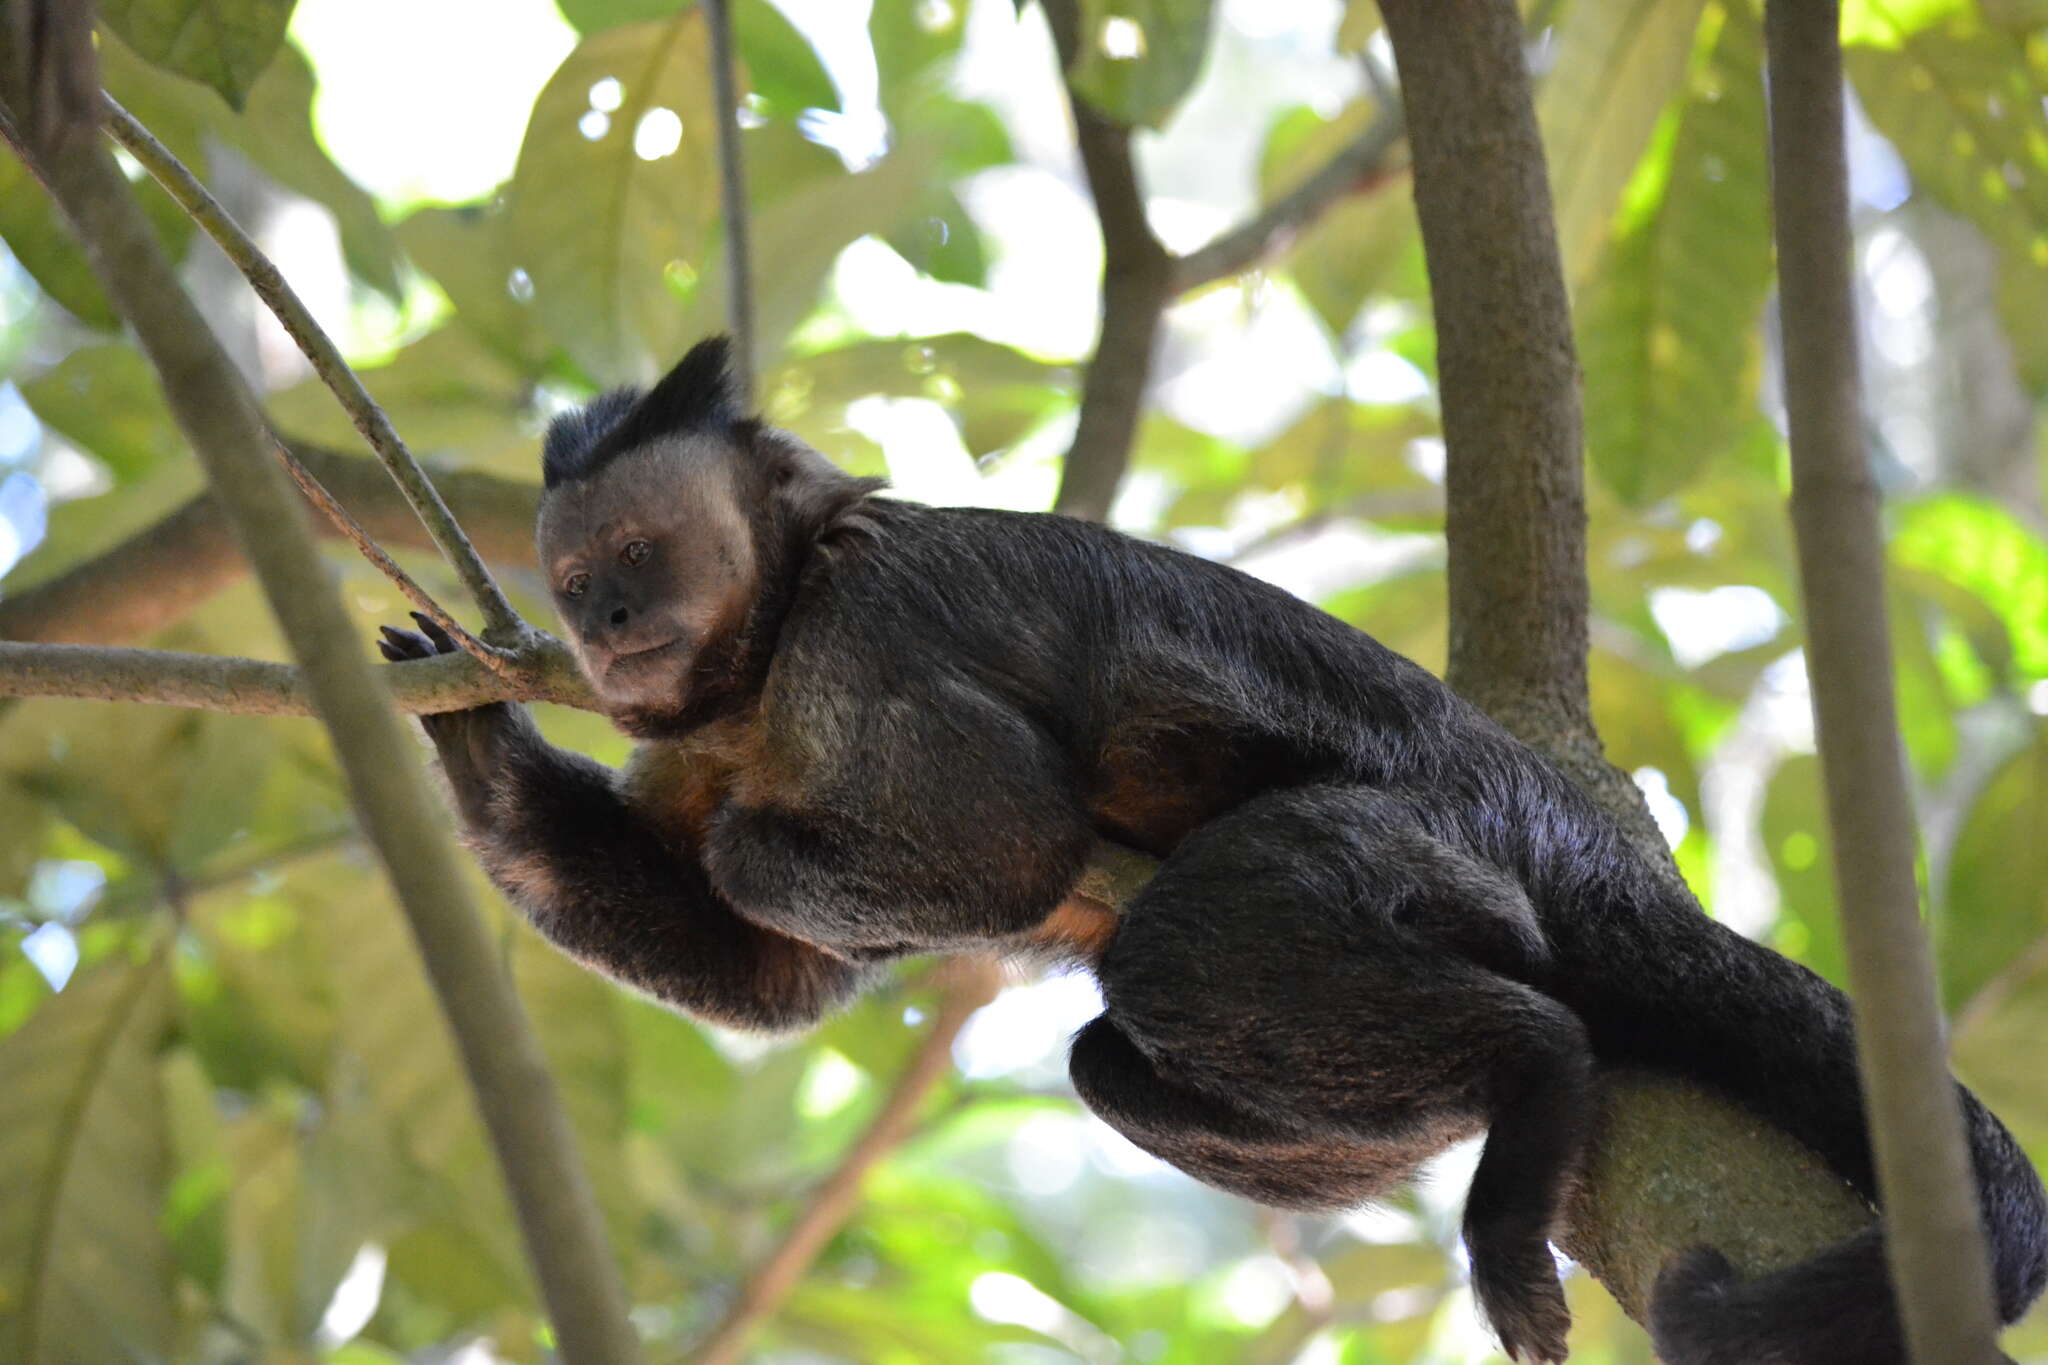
x,y
231,1123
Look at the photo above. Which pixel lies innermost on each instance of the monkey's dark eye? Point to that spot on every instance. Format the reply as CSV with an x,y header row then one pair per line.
x,y
574,584
635,554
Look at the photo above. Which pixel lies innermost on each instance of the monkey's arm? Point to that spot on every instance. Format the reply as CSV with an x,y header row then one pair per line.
x,y
593,876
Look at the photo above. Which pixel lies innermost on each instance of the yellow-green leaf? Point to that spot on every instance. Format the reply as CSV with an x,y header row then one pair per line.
x,y
84,1267
611,207
1618,65
1668,326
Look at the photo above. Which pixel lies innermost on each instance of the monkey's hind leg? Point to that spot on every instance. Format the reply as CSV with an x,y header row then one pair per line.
x,y
1308,994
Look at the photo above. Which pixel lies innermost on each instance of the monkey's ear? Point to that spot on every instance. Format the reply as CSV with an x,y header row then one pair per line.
x,y
699,394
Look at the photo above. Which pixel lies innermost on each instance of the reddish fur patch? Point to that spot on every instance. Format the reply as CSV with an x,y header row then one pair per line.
x,y
1080,928
679,784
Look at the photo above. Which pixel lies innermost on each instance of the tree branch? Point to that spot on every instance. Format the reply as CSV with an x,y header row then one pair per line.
x,y
974,982
351,530
258,687
166,570
1934,1236
549,1190
732,180
1354,168
1136,286
1669,1167
502,624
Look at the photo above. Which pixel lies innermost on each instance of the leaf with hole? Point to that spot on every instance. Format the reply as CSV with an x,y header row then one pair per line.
x,y
1139,58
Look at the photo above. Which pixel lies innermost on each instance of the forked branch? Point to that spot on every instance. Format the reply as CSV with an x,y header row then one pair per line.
x,y
502,625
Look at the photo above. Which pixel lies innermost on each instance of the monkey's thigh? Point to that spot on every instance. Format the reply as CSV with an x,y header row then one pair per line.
x,y
1313,994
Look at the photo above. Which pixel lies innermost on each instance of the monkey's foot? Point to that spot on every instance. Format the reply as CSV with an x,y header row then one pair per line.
x,y
1523,1302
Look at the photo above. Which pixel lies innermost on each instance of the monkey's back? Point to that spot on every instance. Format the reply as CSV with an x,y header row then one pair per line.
x,y
1175,687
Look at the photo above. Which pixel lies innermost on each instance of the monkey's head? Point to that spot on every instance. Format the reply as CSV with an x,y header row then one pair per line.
x,y
668,518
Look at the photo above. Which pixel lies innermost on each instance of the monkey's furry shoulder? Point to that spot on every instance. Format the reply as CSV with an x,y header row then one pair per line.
x,y
1380,924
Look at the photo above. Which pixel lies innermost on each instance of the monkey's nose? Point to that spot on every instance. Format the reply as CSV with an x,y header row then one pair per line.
x,y
618,616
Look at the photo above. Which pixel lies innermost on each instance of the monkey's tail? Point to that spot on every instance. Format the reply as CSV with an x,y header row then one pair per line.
x,y
1672,991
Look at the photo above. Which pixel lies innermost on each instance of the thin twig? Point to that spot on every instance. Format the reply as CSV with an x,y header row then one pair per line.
x,y
498,661
1361,164
1381,505
739,285
1934,1219
974,984
502,624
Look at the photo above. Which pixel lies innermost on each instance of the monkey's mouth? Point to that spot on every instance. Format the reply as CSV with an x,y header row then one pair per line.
x,y
635,660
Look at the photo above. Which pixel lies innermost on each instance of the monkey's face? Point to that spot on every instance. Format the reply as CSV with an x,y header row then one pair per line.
x,y
650,561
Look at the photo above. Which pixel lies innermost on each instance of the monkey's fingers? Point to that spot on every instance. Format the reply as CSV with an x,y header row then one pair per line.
x,y
442,643
400,645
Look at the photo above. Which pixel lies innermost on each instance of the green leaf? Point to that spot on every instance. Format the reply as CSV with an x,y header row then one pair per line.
x,y
594,16
1360,22
1668,326
84,1267
913,44
780,67
445,391
803,233
24,822
465,250
311,1186
1995,902
1962,103
105,400
938,235
942,240
1797,837
395,1052
39,238
1617,66
162,788
600,230
274,129
576,1014
1139,58
1359,245
195,1204
995,392
1980,547
36,235
223,43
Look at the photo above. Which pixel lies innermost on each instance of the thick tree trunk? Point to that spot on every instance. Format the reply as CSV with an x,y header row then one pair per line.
x,y
1671,1167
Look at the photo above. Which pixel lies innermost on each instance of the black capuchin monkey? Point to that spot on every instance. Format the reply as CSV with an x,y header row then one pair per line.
x,y
1380,924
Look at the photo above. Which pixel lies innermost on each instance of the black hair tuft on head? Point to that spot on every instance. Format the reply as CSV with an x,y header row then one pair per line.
x,y
573,437
699,394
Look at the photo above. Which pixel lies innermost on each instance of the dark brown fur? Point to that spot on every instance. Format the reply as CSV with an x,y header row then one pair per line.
x,y
1380,925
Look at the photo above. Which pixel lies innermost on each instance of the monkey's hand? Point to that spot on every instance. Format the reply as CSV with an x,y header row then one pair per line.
x,y
475,744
